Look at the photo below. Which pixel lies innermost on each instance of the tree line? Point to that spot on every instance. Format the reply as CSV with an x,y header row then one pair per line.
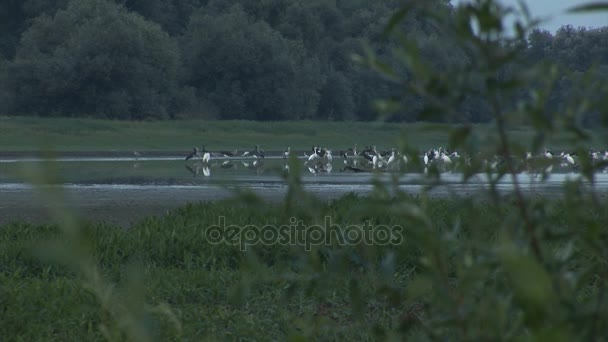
x,y
235,59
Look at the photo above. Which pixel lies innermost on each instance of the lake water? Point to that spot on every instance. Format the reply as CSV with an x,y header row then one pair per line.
x,y
124,189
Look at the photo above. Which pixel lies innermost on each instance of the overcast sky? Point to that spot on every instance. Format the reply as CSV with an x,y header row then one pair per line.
x,y
554,11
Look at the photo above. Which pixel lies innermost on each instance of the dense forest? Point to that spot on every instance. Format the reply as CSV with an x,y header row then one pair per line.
x,y
238,59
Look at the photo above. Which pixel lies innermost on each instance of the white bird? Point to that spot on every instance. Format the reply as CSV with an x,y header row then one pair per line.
x,y
206,156
229,153
313,156
445,158
568,158
378,162
328,157
286,153
392,158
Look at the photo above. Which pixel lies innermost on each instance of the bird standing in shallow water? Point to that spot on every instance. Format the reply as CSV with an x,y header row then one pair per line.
x,y
206,156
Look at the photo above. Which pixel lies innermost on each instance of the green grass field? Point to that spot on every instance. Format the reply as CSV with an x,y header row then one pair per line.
x,y
61,134
162,280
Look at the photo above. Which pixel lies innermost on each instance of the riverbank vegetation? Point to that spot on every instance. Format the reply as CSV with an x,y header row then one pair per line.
x,y
456,264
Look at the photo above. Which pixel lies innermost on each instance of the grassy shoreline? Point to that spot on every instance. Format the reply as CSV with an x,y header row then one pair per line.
x,y
29,134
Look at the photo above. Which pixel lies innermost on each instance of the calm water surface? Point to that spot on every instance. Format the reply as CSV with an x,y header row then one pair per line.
x,y
123,190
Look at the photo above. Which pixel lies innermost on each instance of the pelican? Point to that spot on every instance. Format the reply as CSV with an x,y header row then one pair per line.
x,y
392,158
256,153
344,156
567,158
353,150
313,156
445,158
206,157
368,157
328,157
229,153
260,152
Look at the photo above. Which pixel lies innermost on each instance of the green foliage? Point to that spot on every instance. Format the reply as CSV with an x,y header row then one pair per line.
x,y
579,55
454,274
254,73
94,58
172,15
532,251
494,266
263,60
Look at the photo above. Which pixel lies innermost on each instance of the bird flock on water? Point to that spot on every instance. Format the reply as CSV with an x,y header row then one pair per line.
x,y
370,159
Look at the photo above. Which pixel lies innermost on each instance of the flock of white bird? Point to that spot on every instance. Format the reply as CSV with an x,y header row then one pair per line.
x,y
320,160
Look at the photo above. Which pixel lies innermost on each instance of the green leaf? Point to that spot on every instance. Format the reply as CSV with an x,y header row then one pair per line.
x,y
420,287
530,282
